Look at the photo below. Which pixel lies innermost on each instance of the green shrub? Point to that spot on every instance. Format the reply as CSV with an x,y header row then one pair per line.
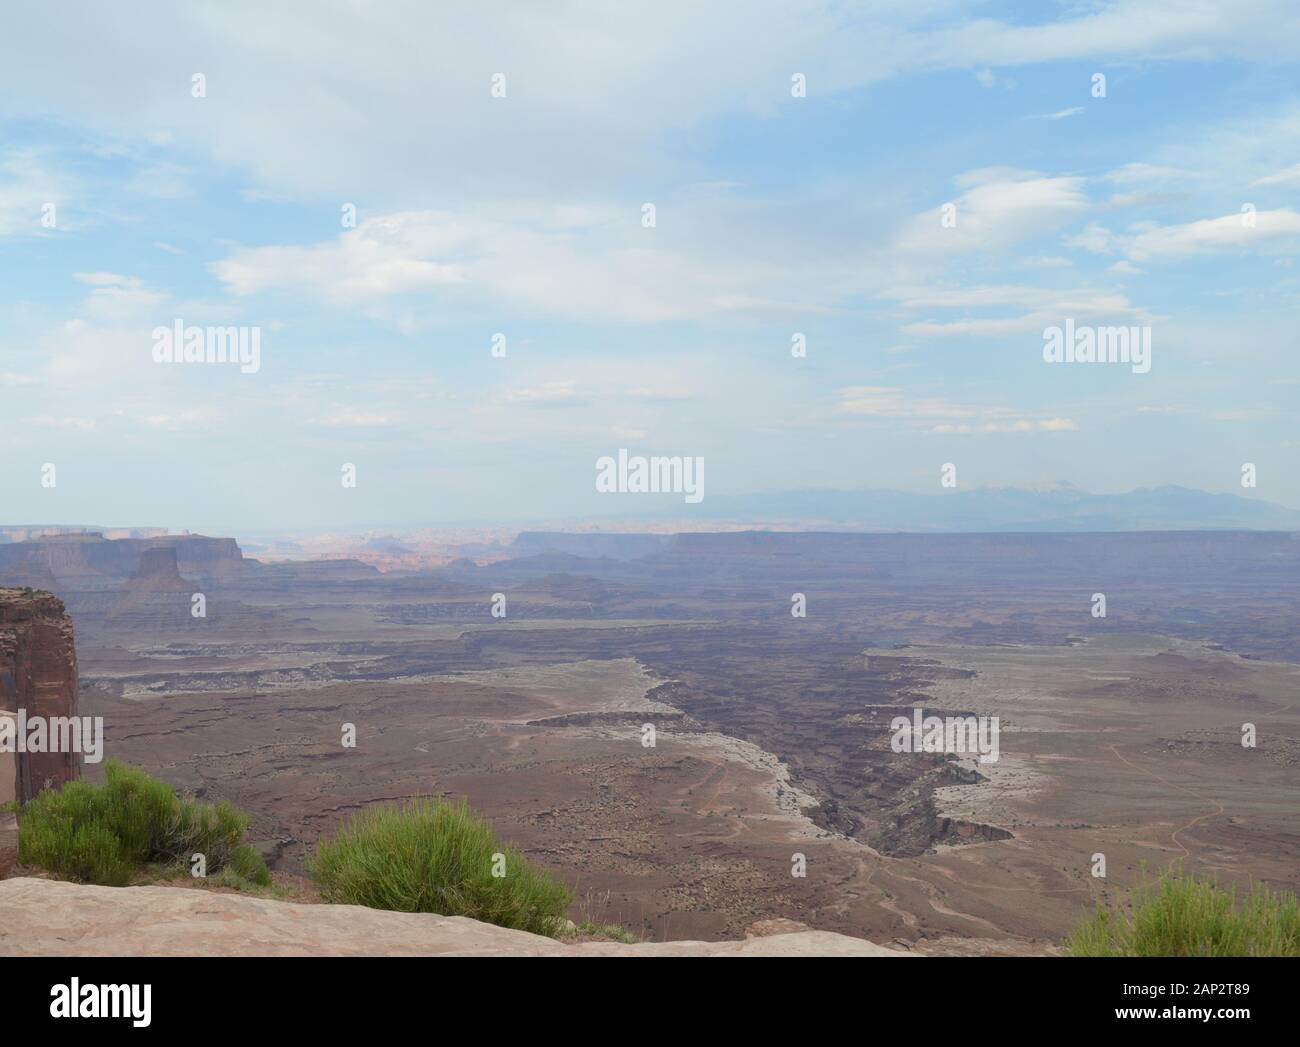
x,y
614,931
104,833
248,865
1179,915
435,857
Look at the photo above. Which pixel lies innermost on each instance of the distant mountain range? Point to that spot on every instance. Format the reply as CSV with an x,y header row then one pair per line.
x,y
1055,508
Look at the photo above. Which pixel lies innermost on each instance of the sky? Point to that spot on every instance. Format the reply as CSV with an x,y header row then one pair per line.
x,y
650,204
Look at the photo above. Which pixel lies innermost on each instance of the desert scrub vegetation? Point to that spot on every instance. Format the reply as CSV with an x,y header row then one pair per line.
x,y
591,922
1180,915
436,857
614,932
111,833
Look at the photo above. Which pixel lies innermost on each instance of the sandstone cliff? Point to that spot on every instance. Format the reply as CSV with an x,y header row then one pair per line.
x,y
52,918
159,569
70,557
38,673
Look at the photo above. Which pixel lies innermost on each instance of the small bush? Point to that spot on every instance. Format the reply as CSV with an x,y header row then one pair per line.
x,y
248,865
435,857
1179,915
591,922
104,833
613,931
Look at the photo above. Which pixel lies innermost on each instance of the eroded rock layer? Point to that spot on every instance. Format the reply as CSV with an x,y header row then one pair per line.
x,y
38,676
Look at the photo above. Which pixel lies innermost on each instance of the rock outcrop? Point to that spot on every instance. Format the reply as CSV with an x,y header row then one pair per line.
x,y
38,676
156,596
52,918
159,569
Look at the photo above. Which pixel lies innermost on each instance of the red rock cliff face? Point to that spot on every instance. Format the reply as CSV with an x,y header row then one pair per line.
x,y
38,673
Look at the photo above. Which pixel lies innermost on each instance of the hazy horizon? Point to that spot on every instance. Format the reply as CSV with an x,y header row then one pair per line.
x,y
673,517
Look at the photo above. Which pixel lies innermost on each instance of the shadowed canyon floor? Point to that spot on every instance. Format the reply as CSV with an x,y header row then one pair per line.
x,y
1119,736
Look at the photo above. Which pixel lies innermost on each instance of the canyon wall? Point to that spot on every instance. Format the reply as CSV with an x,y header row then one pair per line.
x,y
38,674
71,557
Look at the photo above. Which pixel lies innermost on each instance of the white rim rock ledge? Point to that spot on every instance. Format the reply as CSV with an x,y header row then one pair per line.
x,y
53,918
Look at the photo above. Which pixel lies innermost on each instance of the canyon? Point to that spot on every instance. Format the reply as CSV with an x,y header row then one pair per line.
x,y
1119,735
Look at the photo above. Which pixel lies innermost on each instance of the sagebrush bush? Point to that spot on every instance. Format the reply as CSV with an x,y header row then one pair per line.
x,y
1179,915
105,833
436,857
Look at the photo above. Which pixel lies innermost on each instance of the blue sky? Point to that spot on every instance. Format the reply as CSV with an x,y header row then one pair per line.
x,y
523,215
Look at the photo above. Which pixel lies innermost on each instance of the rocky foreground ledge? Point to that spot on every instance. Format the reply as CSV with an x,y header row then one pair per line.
x,y
52,918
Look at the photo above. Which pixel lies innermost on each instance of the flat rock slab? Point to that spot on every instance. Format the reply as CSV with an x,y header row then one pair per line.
x,y
53,918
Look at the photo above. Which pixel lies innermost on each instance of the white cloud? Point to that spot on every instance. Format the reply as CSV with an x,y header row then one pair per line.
x,y
1211,234
1023,425
621,432
1289,176
660,394
1141,173
352,418
176,421
606,268
594,89
891,402
998,208
382,256
80,425
561,393
116,297
80,353
1243,144
1034,308
1094,238
161,181
1239,415
1172,29
602,387
10,379
27,184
